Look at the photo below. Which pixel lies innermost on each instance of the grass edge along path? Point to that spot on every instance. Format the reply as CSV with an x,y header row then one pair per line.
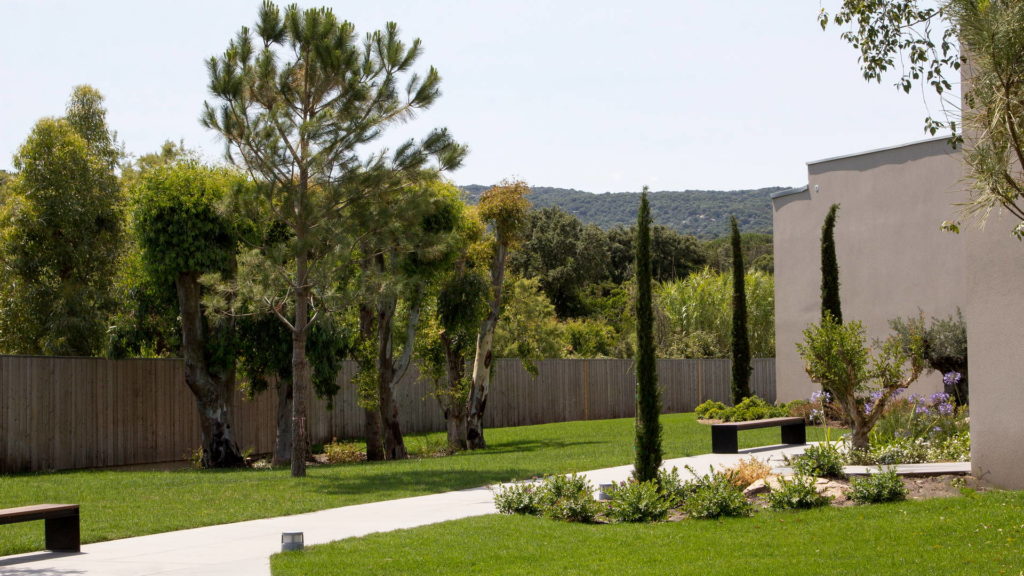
x,y
121,503
979,534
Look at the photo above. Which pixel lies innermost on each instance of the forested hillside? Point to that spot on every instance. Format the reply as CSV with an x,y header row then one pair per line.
x,y
701,213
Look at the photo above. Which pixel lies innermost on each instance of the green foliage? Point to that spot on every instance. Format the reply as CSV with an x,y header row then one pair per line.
x,y
60,233
698,311
883,486
564,255
837,357
740,346
700,213
797,494
757,252
637,502
944,347
673,489
648,397
830,304
528,328
343,452
673,256
821,460
179,226
589,338
714,495
519,498
568,497
709,409
505,207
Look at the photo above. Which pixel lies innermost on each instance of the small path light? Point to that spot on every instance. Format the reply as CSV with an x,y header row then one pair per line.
x,y
603,490
291,541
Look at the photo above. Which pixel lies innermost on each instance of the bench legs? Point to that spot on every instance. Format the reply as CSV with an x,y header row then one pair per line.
x,y
62,534
794,433
724,441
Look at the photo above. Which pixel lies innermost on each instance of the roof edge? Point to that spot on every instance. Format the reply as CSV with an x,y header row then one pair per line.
x,y
789,192
876,150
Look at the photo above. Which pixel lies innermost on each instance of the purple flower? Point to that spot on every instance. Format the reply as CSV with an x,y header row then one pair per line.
x,y
945,408
938,398
951,378
871,401
821,396
920,409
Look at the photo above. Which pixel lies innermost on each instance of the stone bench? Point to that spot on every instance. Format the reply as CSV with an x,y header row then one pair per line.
x,y
62,523
724,436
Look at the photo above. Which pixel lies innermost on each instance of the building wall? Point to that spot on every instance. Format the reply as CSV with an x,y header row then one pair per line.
x,y
893,258
995,333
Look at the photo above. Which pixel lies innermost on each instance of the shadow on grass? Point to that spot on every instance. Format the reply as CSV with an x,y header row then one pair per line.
x,y
408,483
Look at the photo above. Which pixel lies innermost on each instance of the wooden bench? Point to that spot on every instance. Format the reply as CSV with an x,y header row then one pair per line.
x,y
724,441
62,526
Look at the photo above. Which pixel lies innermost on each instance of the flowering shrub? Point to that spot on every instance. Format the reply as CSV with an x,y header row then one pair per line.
x,y
568,498
714,495
823,459
920,429
518,499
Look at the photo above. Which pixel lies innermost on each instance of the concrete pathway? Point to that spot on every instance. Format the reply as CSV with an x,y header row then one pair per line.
x,y
244,548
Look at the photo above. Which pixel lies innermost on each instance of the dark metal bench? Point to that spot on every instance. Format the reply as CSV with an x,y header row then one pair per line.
x,y
62,526
724,441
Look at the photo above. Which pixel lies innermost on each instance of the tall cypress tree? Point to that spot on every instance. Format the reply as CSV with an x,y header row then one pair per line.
x,y
830,268
648,401
740,341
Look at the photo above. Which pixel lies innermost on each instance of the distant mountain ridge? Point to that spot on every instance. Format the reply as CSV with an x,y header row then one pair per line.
x,y
702,213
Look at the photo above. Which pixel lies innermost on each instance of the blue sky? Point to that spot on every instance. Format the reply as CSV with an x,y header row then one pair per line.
x,y
594,95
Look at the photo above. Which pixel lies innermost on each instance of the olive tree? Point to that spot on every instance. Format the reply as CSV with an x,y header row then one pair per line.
x,y
297,98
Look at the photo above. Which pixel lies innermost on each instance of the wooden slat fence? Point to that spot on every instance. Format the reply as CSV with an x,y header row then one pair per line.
x,y
65,413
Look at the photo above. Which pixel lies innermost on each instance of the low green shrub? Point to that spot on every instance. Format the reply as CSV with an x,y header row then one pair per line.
x,y
673,489
956,448
343,452
709,409
522,498
884,486
714,495
823,459
568,498
796,494
637,502
750,408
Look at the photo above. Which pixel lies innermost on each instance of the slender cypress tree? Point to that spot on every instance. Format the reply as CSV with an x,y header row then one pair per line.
x,y
740,341
830,268
648,401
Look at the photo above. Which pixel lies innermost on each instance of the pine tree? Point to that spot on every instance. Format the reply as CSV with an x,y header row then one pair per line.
x,y
740,341
830,269
648,401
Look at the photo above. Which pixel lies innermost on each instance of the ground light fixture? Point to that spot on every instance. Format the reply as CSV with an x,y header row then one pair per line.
x,y
291,541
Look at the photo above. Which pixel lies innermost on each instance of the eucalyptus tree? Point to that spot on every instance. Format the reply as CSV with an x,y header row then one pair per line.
x,y
296,100
503,208
61,231
183,237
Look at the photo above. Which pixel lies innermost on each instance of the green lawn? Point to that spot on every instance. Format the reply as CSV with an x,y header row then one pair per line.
x,y
982,534
119,504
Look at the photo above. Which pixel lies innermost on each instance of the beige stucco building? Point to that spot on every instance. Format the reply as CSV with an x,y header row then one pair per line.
x,y
894,259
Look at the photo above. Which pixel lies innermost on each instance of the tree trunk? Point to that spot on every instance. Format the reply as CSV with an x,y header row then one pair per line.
x,y
372,427
212,389
283,443
453,400
300,369
483,358
394,445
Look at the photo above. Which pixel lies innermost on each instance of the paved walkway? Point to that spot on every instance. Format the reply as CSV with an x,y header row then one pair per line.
x,y
244,548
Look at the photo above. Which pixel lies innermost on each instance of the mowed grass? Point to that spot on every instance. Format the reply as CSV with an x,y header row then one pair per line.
x,y
983,534
120,504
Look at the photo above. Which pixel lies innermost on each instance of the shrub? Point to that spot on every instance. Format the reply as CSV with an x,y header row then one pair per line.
x,y
568,498
748,471
637,502
713,496
795,494
522,498
343,452
709,409
881,487
822,459
956,448
672,487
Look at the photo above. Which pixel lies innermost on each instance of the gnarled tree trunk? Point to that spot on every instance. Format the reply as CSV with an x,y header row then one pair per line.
x,y
453,400
373,428
211,386
484,358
